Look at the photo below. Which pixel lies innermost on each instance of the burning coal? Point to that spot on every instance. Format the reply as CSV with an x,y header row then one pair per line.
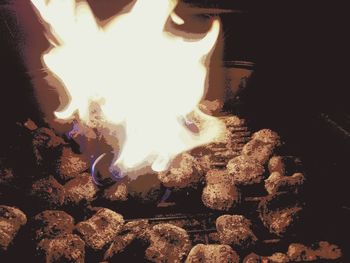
x,y
132,79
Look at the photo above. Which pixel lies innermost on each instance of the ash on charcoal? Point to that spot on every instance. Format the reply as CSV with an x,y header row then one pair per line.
x,y
323,251
270,182
139,228
300,252
100,229
51,224
278,183
276,164
80,190
252,258
280,212
278,257
245,170
66,248
235,230
205,163
267,136
11,220
71,164
329,251
184,171
232,121
117,192
134,236
209,107
258,151
212,254
146,188
118,246
168,243
285,165
46,146
219,192
218,153
261,146
48,192
107,237
279,222
214,157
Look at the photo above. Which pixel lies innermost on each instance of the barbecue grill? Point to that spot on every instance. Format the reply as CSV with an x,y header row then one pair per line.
x,y
263,84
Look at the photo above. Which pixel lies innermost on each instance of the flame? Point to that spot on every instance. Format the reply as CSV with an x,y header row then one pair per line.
x,y
145,80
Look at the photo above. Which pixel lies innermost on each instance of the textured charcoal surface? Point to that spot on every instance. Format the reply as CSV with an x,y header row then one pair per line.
x,y
70,164
134,236
280,212
52,223
79,190
277,183
168,243
261,146
245,170
220,193
212,253
66,248
116,192
99,230
11,220
185,171
235,230
48,193
223,200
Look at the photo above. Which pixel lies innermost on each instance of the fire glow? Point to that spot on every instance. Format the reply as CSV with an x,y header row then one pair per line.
x,y
145,82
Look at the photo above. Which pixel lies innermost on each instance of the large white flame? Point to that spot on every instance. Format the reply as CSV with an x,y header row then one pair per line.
x,y
146,80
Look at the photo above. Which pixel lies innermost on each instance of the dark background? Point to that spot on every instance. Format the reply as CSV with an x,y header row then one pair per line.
x,y
299,88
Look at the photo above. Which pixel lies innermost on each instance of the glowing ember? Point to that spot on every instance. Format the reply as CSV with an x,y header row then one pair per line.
x,y
132,79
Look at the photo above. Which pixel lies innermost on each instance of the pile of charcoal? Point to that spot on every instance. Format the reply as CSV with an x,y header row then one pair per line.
x,y
251,190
